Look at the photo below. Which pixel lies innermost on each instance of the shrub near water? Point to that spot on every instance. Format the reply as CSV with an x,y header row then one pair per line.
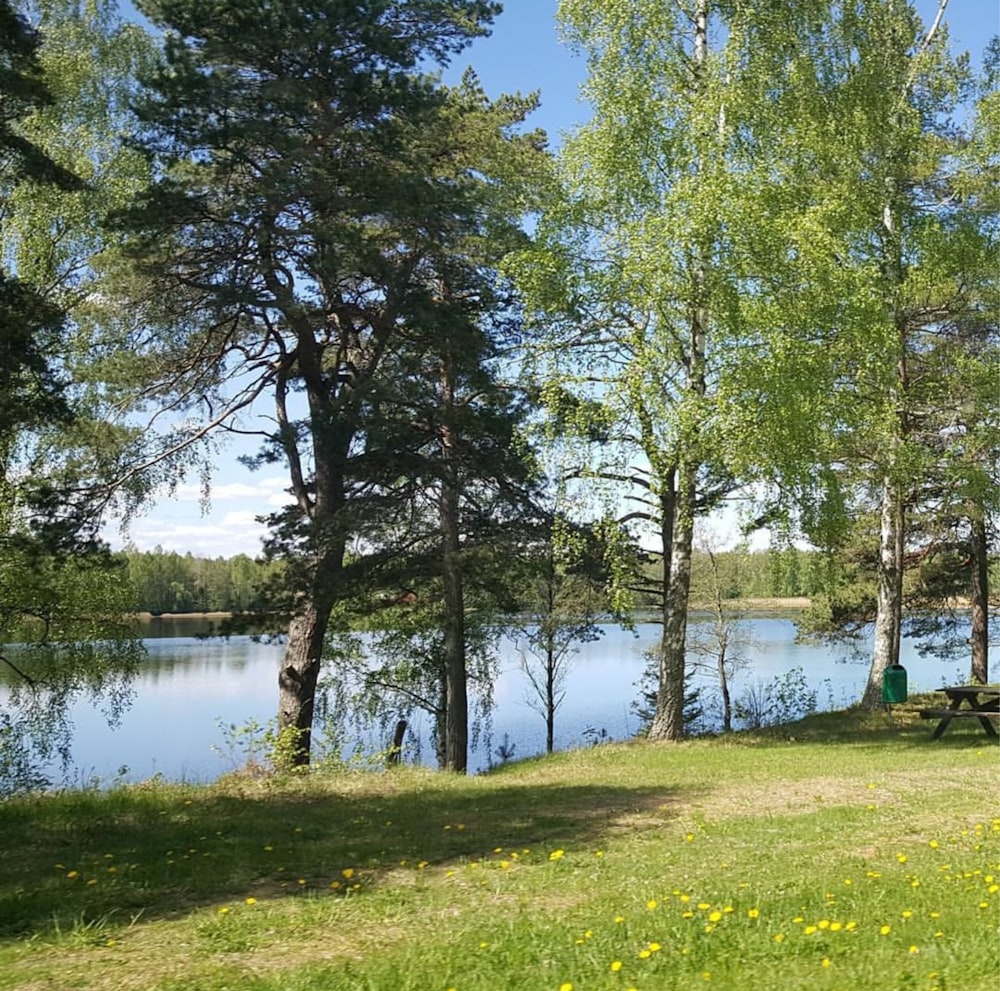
x,y
869,861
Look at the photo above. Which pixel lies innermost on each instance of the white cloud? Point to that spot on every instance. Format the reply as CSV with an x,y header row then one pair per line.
x,y
227,491
242,518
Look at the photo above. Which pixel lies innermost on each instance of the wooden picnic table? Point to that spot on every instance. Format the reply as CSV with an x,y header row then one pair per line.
x,y
979,701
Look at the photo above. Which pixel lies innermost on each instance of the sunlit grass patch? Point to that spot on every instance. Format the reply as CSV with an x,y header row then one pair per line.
x,y
750,861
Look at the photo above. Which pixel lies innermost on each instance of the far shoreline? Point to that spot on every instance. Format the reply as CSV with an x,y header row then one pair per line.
x,y
791,603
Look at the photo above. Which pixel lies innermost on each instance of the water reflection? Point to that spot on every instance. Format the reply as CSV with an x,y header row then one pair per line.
x,y
189,687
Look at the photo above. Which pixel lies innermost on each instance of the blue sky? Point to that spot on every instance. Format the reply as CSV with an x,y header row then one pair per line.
x,y
523,54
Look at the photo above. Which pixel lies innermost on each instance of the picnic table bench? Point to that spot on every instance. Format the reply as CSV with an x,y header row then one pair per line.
x,y
967,701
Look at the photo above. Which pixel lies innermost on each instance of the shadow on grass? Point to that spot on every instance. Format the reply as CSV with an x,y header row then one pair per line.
x,y
161,851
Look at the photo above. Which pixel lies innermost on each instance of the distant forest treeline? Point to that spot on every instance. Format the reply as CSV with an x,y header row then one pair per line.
x,y
168,582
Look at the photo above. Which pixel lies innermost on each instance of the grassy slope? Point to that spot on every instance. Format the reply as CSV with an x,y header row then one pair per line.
x,y
849,851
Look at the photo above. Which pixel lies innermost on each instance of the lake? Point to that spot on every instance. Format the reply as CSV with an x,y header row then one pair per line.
x,y
191,688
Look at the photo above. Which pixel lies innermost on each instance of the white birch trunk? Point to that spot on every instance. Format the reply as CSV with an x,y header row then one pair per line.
x,y
889,612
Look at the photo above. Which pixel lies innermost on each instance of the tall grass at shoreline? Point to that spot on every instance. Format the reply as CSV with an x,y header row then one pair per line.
x,y
847,851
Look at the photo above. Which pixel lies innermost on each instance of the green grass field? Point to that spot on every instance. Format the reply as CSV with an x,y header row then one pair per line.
x,y
848,851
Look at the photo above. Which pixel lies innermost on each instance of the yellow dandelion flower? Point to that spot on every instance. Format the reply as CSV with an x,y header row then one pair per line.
x,y
651,904
557,854
901,858
914,949
224,910
779,937
251,901
655,947
423,863
483,946
835,927
72,874
753,913
619,919
616,965
885,930
704,905
715,917
906,914
933,844
826,962
566,986
644,954
809,930
348,872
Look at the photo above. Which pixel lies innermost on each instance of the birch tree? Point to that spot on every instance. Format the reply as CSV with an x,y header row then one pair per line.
x,y
873,251
637,287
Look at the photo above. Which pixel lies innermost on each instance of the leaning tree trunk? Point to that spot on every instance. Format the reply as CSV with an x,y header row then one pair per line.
x,y
980,635
889,610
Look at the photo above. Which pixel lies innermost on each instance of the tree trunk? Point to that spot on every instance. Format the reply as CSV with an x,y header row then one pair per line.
x,y
668,720
297,679
727,705
550,701
980,635
456,743
889,611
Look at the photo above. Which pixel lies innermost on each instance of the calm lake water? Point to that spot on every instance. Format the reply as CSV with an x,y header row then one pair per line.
x,y
191,688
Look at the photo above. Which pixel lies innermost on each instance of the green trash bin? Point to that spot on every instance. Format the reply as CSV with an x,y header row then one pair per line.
x,y
894,684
